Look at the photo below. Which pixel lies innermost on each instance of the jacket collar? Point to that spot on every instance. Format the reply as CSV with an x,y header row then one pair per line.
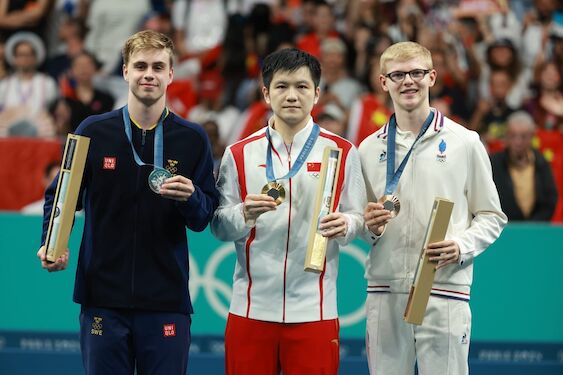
x,y
435,127
298,140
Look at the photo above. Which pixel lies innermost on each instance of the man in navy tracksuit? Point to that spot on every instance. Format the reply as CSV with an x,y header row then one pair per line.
x,y
148,176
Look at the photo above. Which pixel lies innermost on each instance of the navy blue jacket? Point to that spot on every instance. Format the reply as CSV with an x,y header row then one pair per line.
x,y
134,250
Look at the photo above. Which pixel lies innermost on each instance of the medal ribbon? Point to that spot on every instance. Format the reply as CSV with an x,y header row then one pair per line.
x,y
158,139
393,177
300,159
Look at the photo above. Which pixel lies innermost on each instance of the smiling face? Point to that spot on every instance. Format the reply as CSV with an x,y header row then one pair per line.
x,y
148,73
292,95
408,95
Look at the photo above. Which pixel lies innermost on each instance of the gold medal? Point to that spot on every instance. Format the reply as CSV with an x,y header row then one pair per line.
x,y
391,203
274,190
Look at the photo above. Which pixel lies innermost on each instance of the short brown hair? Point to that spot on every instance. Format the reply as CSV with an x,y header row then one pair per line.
x,y
148,39
404,51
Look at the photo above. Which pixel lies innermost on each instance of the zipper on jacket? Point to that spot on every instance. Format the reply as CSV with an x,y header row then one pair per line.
x,y
134,248
288,232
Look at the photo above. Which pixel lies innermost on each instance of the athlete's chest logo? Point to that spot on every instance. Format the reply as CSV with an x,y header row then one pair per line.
x,y
172,166
383,156
109,163
441,155
314,169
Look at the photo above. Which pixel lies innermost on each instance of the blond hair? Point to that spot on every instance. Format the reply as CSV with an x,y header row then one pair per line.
x,y
404,51
147,39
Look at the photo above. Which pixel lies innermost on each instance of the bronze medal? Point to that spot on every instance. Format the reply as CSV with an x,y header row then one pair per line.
x,y
391,203
274,190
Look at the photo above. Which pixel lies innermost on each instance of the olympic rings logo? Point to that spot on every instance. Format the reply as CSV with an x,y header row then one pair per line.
x,y
214,288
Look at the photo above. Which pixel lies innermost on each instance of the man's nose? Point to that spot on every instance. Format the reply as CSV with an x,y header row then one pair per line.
x,y
291,94
408,79
149,74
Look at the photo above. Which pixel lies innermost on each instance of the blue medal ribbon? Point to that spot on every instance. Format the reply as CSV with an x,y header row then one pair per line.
x,y
393,176
300,159
158,139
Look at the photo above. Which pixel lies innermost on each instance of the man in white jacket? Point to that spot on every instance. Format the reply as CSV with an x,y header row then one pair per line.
x,y
281,317
417,156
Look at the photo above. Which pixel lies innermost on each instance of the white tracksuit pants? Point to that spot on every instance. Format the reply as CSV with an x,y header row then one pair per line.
x,y
440,346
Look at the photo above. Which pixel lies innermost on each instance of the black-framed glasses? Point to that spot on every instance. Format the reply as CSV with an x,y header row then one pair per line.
x,y
415,74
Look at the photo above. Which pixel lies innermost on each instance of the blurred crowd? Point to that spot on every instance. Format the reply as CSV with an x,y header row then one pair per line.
x,y
497,60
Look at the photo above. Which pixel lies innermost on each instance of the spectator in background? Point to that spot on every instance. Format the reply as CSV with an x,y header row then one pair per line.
x,y
336,85
366,13
333,119
234,62
264,32
255,35
159,21
3,63
363,40
83,98
251,119
324,27
109,24
370,111
546,107
450,86
555,50
307,17
71,34
217,145
199,31
26,93
502,54
505,24
523,177
211,105
489,118
537,25
36,208
410,21
60,115
24,15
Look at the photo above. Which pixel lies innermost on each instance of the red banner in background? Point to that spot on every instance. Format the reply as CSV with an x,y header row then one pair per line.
x,y
550,143
22,167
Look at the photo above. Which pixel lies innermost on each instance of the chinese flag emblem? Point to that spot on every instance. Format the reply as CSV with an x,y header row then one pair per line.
x,y
313,167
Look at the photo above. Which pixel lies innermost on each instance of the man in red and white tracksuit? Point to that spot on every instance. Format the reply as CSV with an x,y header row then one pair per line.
x,y
283,318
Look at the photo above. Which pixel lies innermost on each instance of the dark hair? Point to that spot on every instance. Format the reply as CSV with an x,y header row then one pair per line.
x,y
90,55
290,60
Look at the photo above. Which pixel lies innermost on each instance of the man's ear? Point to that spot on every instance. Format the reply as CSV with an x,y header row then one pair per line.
x,y
433,76
317,94
266,94
383,82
